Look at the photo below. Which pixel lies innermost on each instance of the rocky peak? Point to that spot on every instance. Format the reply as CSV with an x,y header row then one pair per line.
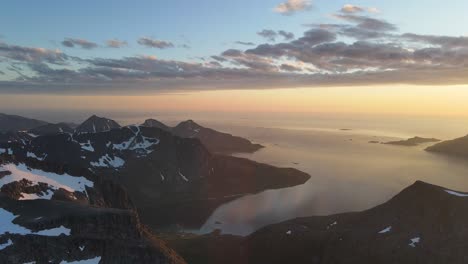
x,y
96,124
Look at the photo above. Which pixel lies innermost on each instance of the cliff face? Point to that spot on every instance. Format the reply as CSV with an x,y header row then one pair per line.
x,y
422,224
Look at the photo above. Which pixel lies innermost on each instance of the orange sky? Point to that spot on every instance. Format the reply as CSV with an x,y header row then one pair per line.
x,y
408,100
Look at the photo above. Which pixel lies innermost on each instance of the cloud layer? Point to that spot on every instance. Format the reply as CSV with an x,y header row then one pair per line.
x,y
359,49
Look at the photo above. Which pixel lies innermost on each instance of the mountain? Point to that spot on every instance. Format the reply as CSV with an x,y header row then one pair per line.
x,y
96,124
10,136
155,123
422,224
171,180
51,129
53,214
412,142
214,141
17,123
456,147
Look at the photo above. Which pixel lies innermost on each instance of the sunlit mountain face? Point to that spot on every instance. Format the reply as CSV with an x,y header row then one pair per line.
x,y
275,131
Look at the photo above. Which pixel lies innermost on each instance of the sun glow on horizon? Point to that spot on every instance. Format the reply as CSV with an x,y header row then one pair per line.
x,y
398,99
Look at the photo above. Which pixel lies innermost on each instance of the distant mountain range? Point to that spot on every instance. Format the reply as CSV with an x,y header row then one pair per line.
x,y
213,140
17,128
422,224
13,123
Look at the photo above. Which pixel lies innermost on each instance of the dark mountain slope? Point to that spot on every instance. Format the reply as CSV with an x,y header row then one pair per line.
x,y
96,124
456,147
16,123
51,129
214,141
422,224
155,123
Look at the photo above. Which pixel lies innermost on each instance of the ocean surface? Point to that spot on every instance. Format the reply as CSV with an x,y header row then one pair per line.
x,y
348,173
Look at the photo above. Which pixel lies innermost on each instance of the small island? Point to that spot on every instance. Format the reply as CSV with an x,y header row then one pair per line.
x,y
412,142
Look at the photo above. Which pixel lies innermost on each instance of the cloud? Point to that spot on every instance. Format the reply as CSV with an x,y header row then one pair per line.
x,y
271,35
445,41
286,35
367,23
154,43
293,6
115,43
290,68
245,43
352,9
82,43
268,34
32,54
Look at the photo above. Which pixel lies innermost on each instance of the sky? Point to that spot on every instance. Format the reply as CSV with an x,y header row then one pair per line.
x,y
206,55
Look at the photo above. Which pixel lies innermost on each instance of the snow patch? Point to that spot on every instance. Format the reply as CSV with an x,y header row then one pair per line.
x,y
139,143
386,230
183,177
8,151
7,226
54,231
332,225
95,260
55,181
108,162
34,156
5,245
457,193
414,241
87,146
34,196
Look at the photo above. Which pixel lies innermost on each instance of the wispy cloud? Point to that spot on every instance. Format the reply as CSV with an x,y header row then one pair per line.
x,y
155,43
271,35
352,9
293,6
115,43
245,43
82,43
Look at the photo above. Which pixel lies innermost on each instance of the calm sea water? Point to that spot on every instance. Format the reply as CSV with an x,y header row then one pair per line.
x,y
348,173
